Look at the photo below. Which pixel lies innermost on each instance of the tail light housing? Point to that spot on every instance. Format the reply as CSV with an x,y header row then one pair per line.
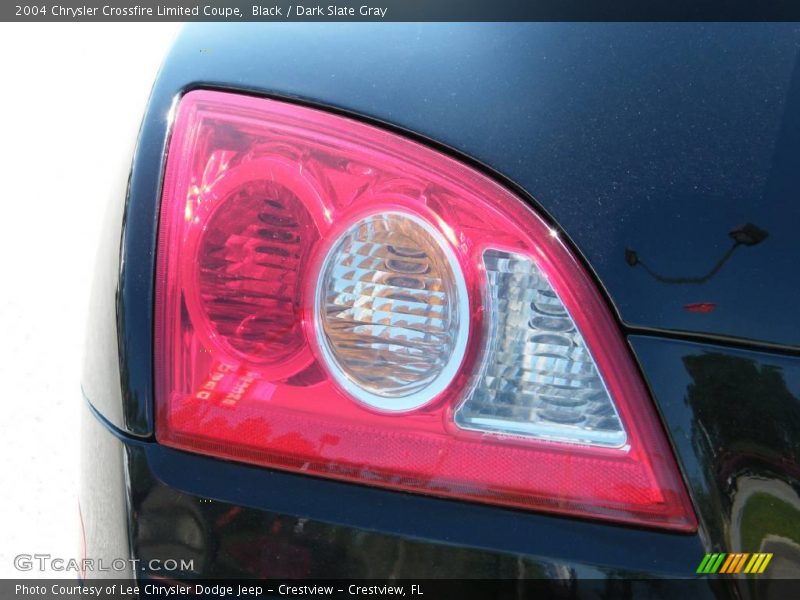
x,y
336,300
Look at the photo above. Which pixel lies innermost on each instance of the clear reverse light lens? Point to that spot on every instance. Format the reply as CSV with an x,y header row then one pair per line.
x,y
538,379
392,311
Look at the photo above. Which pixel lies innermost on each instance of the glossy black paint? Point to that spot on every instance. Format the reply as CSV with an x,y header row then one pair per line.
x,y
661,138
657,139
731,415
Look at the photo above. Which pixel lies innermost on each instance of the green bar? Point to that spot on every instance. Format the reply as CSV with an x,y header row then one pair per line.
x,y
701,568
710,562
718,564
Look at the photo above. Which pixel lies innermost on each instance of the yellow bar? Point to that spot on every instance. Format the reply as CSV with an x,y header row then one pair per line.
x,y
740,564
727,562
758,563
749,567
765,563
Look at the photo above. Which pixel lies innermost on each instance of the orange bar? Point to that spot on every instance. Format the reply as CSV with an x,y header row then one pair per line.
x,y
728,562
740,564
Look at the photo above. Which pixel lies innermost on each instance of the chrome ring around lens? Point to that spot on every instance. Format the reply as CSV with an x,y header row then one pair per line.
x,y
392,311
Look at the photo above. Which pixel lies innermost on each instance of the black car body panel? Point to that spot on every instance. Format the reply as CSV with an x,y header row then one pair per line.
x,y
651,139
733,418
245,521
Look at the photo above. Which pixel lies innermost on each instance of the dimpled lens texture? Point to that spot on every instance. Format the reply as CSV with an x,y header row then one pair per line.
x,y
538,379
247,271
389,309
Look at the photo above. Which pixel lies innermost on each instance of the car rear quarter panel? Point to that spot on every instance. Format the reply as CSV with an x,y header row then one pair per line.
x,y
659,137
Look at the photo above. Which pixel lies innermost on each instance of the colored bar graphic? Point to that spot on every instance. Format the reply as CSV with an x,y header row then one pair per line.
x,y
710,563
752,563
757,566
715,567
704,563
740,563
764,564
731,564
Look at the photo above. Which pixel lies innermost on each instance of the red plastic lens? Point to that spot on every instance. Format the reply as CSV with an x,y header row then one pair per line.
x,y
321,307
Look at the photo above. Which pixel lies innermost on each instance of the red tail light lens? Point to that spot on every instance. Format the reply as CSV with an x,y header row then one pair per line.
x,y
336,300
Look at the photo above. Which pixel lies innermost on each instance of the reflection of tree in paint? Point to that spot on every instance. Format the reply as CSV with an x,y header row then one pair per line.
x,y
739,401
745,425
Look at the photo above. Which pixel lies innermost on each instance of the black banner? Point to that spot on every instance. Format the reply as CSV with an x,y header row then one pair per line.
x,y
400,10
425,589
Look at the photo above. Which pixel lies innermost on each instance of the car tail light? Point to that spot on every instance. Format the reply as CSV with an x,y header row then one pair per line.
x,y
336,300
